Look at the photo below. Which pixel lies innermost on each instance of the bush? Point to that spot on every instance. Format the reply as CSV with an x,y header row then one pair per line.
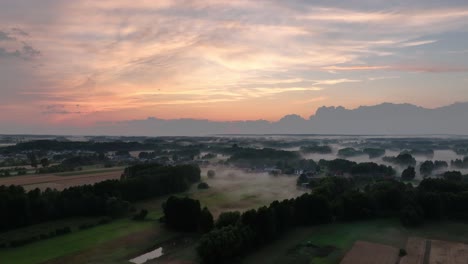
x,y
43,236
412,215
203,185
117,207
182,214
104,221
205,221
408,174
141,215
85,226
228,219
62,231
211,174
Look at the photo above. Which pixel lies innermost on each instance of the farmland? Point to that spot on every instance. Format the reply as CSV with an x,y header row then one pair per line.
x,y
244,182
294,248
61,181
229,190
76,242
366,252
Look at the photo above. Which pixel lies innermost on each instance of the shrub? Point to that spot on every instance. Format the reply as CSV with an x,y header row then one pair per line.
x,y
203,185
211,174
141,215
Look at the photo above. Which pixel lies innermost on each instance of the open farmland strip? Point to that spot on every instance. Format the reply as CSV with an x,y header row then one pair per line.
x,y
415,248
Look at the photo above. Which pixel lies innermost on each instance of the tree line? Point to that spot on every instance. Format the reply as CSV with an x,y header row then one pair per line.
x,y
55,145
111,197
236,234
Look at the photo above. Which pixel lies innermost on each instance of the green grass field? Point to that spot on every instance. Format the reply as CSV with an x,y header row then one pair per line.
x,y
46,228
77,241
291,248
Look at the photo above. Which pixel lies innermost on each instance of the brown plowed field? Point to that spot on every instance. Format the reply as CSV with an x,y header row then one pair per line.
x,y
43,181
448,252
371,253
415,248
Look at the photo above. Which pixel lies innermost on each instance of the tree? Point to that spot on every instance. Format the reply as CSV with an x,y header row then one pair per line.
x,y
427,167
316,149
440,164
182,214
408,174
403,159
141,215
455,176
225,245
203,185
205,221
117,207
45,162
355,205
33,160
228,219
412,215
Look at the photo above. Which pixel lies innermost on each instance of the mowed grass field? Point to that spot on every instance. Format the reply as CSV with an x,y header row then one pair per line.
x,y
77,241
339,238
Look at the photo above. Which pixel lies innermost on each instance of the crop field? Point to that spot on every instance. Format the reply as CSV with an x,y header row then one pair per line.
x,y
364,252
328,244
62,180
448,252
415,248
422,251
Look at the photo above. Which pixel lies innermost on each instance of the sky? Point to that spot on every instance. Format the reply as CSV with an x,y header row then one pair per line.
x,y
78,63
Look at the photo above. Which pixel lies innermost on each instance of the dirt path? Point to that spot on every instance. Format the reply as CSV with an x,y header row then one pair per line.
x,y
427,252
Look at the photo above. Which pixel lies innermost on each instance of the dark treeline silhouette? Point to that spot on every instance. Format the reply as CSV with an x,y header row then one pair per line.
x,y
185,214
374,152
250,157
403,159
155,146
428,166
334,199
408,174
55,145
316,149
459,163
74,162
365,172
349,152
112,197
356,169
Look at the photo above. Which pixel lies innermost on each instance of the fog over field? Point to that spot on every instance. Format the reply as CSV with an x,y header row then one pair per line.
x,y
211,131
234,189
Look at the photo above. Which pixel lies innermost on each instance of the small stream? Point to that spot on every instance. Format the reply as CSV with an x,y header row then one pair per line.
x,y
148,256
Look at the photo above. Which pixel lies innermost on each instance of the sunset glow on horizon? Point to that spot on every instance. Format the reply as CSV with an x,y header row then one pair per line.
x,y
78,63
